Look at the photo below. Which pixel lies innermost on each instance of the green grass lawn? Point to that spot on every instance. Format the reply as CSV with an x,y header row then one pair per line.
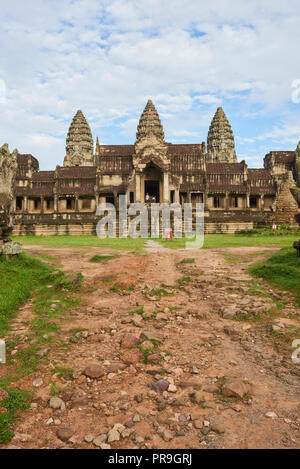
x,y
19,276
137,244
282,270
127,244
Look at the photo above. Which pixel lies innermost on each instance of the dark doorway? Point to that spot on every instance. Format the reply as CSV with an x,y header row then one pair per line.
x,y
152,191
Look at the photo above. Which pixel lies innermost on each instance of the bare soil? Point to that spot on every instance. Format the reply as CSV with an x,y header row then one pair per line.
x,y
197,350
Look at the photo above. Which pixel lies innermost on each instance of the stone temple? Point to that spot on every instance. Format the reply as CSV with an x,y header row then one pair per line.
x,y
235,197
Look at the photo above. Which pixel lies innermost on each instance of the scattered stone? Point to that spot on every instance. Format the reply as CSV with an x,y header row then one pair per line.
x,y
64,434
105,446
271,415
56,402
132,356
94,371
136,418
129,340
236,388
113,435
99,440
43,352
161,386
229,312
197,397
172,388
37,382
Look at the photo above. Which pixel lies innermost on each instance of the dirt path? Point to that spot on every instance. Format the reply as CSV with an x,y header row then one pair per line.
x,y
224,376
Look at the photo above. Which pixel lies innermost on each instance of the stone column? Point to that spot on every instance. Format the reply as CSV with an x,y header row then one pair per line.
x,y
137,187
25,208
166,197
205,201
226,201
262,202
76,203
176,196
55,203
247,200
42,204
96,200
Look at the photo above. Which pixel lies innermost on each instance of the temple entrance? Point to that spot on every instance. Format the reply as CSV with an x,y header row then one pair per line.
x,y
151,191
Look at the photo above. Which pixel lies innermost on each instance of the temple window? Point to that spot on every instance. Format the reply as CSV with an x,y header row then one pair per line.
x,y
217,202
19,203
253,202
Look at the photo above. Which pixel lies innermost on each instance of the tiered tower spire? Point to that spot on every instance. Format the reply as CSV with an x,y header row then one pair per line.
x,y
79,144
150,123
220,139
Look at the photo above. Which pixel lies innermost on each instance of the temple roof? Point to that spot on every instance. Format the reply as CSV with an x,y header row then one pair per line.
x,y
220,139
225,168
150,123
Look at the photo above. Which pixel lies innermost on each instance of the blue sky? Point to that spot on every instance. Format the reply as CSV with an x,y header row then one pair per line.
x,y
108,57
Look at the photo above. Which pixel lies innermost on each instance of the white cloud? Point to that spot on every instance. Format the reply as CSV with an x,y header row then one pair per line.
x,y
108,56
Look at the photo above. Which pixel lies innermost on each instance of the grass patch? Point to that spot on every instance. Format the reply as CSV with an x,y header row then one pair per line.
x,y
127,244
9,410
63,372
187,260
183,281
19,277
282,270
139,311
98,258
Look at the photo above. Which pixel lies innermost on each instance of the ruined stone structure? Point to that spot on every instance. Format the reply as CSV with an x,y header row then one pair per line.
x,y
235,197
8,170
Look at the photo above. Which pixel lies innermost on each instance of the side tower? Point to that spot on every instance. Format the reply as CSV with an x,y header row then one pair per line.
x,y
220,140
79,144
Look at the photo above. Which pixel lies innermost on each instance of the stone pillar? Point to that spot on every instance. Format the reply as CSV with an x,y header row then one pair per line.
x,y
205,201
25,207
76,203
137,187
176,196
248,200
42,204
96,200
226,201
262,202
166,196
55,203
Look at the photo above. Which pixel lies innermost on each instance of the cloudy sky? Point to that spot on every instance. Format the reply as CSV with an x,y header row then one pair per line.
x,y
107,57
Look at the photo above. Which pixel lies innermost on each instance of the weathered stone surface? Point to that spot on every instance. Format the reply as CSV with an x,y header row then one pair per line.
x,y
237,388
129,341
94,371
220,139
132,356
161,385
8,170
56,402
64,434
11,249
80,145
